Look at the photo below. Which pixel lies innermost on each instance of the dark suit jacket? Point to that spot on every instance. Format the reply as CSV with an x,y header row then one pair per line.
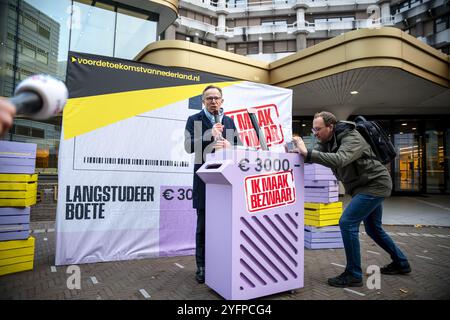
x,y
196,126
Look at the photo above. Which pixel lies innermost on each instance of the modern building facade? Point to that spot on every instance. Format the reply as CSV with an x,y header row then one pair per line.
x,y
36,47
383,74
36,35
272,29
351,57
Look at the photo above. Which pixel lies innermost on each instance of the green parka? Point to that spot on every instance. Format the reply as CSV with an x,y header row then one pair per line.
x,y
352,161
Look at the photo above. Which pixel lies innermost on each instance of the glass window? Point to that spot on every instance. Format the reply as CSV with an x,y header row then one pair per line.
x,y
292,45
39,33
280,22
42,57
43,31
236,3
11,13
274,22
253,48
241,49
408,163
268,47
133,33
435,160
447,159
89,25
280,46
37,133
441,24
27,22
40,44
22,130
51,38
28,50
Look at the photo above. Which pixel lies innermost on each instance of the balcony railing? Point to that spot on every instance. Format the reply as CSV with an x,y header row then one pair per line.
x,y
286,28
197,25
237,6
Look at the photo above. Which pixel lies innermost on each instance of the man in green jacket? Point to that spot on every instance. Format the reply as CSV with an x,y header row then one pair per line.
x,y
342,148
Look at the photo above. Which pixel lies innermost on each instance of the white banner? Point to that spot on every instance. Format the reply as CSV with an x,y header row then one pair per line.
x,y
125,180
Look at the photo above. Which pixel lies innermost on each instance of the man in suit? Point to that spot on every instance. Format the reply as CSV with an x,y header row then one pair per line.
x,y
203,135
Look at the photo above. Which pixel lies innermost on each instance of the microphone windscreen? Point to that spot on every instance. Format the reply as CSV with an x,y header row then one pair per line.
x,y
51,91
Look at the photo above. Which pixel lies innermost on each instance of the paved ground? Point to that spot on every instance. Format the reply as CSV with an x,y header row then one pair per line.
x,y
428,249
429,210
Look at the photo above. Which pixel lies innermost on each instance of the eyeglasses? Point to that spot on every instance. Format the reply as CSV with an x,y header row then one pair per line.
x,y
315,130
213,98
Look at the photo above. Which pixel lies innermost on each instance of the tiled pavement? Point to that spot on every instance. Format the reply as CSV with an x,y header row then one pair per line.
x,y
428,249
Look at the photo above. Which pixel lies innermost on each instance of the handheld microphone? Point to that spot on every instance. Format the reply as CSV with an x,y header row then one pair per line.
x,y
217,120
259,133
216,117
40,97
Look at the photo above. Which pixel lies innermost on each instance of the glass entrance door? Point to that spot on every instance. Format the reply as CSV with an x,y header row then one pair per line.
x,y
447,160
435,159
408,163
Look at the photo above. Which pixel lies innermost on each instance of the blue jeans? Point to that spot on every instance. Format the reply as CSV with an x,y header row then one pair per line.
x,y
369,209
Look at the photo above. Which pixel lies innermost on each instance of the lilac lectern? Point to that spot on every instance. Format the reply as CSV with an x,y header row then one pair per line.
x,y
254,222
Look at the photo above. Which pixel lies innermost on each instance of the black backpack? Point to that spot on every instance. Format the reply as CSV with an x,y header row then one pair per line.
x,y
377,138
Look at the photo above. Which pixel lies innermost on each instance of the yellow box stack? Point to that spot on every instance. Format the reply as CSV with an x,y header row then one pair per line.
x,y
18,191
16,255
321,214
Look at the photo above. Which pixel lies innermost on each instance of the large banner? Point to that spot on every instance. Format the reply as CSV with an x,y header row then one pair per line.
x,y
125,180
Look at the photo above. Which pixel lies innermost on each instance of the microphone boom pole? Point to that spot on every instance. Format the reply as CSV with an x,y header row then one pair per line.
x,y
259,132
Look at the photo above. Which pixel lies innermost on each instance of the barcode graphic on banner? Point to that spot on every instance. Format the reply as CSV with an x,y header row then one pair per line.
x,y
139,162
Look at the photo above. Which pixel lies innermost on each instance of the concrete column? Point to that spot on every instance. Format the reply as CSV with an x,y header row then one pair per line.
x,y
385,11
169,34
221,25
221,22
221,44
301,17
300,8
301,40
260,45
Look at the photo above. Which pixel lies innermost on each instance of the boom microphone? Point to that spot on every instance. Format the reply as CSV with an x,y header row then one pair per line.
x,y
40,97
259,132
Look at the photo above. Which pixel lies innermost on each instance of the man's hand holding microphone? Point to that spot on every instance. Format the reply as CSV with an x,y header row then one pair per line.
x,y
39,97
220,142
